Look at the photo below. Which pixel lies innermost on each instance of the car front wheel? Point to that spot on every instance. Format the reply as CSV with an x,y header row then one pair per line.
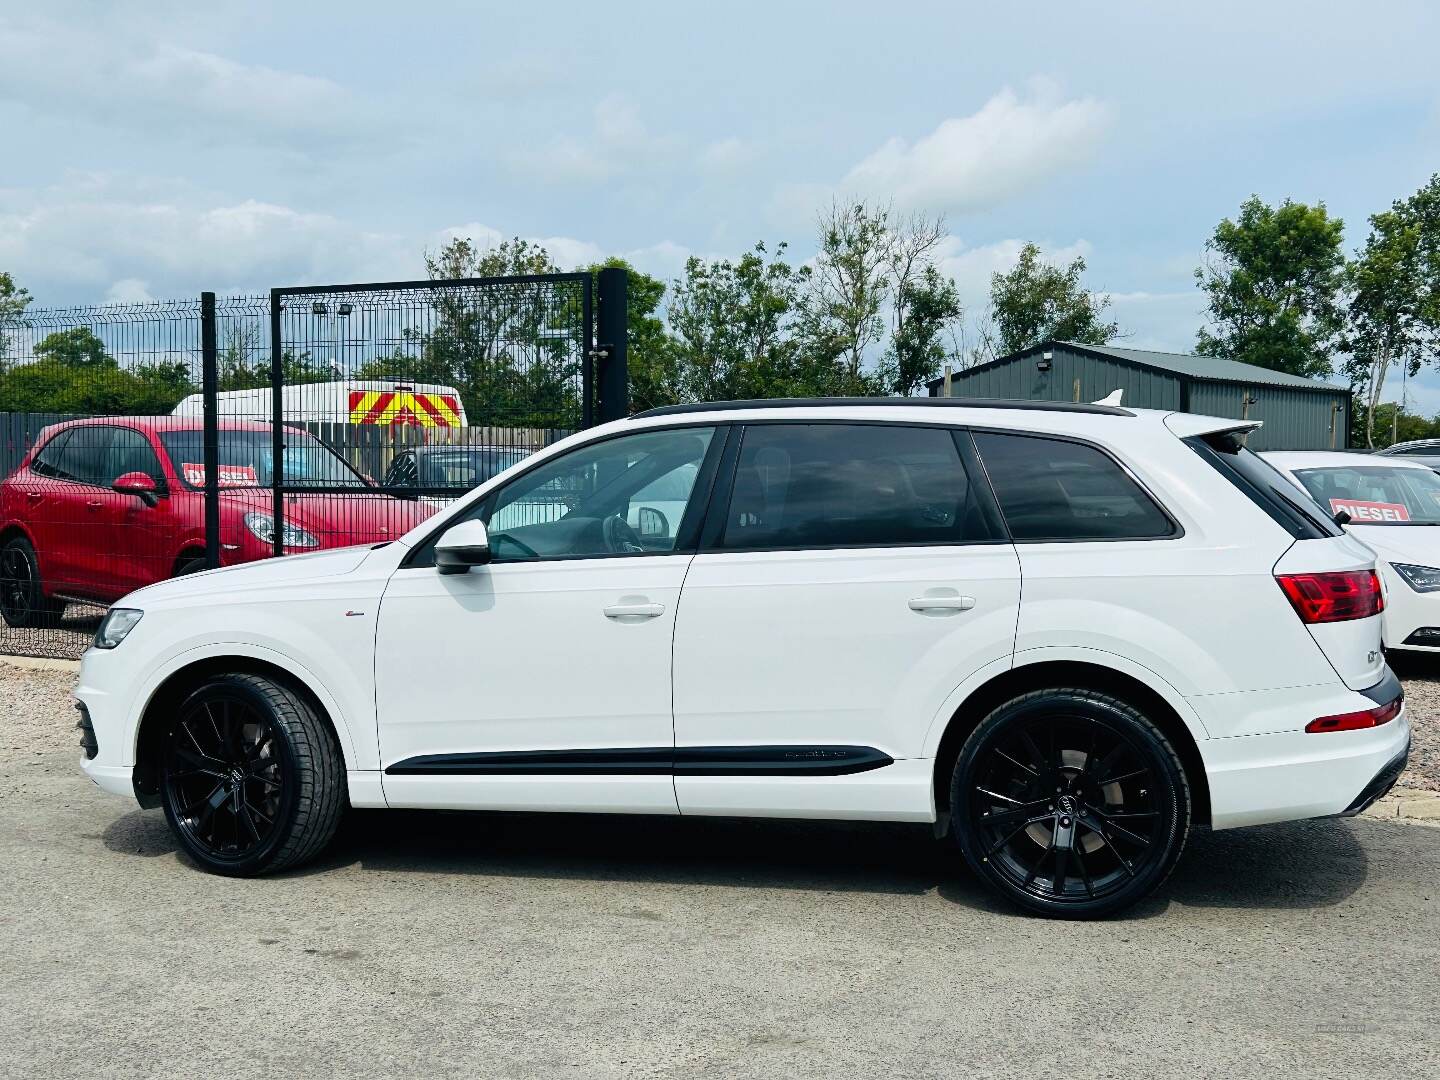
x,y
252,778
1070,803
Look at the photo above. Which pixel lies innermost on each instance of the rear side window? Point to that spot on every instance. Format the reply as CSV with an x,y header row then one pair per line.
x,y
47,461
1264,486
850,485
85,453
1054,489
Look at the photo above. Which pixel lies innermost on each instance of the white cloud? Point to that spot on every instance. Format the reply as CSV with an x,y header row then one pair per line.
x,y
128,291
725,155
617,143
108,73
975,161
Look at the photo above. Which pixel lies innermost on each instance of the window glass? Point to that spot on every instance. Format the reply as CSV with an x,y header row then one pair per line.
x,y
47,461
245,459
402,471
585,502
1052,489
850,485
84,454
1376,494
464,467
129,452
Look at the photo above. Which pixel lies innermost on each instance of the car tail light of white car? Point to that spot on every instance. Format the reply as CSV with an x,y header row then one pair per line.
x,y
1333,597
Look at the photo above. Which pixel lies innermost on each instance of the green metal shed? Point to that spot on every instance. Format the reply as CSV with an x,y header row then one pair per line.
x,y
1298,414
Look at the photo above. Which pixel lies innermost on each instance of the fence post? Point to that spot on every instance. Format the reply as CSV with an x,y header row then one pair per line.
x,y
277,415
612,332
210,388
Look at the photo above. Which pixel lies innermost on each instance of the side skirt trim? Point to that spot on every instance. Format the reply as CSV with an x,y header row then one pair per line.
x,y
652,761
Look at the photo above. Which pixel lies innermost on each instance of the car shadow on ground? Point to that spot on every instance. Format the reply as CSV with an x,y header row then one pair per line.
x,y
1293,866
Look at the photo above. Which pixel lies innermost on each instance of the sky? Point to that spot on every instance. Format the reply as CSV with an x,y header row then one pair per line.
x,y
152,150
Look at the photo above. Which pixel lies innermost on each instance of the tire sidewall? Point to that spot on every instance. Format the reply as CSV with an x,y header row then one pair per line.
x,y
36,613
1143,736
291,779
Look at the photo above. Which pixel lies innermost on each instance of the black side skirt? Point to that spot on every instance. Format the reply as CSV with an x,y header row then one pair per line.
x,y
652,761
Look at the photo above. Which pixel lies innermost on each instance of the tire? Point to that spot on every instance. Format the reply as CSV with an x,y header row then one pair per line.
x,y
251,779
189,564
23,602
1070,803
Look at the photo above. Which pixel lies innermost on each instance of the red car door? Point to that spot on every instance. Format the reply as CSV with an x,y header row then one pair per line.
x,y
81,522
147,532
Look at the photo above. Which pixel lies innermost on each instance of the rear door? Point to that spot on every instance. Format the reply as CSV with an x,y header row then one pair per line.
x,y
81,521
851,577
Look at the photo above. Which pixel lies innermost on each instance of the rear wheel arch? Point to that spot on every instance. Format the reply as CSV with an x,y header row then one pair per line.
x,y
177,686
1071,674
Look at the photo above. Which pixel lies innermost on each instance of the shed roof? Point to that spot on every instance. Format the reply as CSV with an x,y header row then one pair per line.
x,y
1209,368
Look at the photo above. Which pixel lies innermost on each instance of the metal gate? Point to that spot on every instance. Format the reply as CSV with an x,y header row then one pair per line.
x,y
326,416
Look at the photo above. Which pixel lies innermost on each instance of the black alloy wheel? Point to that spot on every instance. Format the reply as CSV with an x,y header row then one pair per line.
x,y
1070,803
251,777
22,600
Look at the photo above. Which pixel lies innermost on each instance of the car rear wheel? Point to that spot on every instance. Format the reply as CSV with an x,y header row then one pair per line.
x,y
1070,803
23,602
189,564
252,779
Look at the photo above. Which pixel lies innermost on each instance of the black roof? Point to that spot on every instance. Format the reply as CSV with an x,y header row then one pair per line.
x,y
924,403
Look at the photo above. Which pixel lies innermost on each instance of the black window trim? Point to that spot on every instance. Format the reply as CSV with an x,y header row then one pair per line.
x,y
1177,530
719,511
684,544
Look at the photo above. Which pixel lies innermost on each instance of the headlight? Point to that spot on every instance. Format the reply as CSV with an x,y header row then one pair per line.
x,y
116,626
262,527
1419,578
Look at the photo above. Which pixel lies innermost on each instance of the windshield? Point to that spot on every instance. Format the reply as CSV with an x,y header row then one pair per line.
x,y
465,466
245,460
1376,494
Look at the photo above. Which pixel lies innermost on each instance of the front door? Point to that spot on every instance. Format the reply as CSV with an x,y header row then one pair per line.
x,y
856,578
542,680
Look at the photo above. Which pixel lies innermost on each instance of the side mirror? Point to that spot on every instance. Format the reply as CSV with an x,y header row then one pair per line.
x,y
462,546
1342,517
142,485
652,522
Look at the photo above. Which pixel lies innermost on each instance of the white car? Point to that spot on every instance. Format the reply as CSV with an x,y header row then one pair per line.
x,y
1393,505
833,626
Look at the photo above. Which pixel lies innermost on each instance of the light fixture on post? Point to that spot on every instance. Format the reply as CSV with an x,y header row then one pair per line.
x,y
318,308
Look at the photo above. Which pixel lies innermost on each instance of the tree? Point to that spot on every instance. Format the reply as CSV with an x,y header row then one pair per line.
x,y
926,310
849,286
1274,278
13,302
1036,302
77,347
732,324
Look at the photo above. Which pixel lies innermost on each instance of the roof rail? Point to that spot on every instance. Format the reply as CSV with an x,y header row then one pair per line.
x,y
904,403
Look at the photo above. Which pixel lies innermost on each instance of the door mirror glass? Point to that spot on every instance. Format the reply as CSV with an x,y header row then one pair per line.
x,y
461,547
652,523
136,483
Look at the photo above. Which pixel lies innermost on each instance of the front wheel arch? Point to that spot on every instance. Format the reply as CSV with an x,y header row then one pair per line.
x,y
1071,674
179,685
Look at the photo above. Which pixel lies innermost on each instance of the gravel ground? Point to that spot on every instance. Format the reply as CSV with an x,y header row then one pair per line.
x,y
1421,676
541,945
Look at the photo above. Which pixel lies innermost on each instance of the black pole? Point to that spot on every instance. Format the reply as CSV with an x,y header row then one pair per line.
x,y
277,411
210,390
612,330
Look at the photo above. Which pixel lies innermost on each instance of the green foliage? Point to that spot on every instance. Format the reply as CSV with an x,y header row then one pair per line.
x,y
841,319
147,389
13,302
1389,429
1036,302
930,305
77,347
1394,315
1273,279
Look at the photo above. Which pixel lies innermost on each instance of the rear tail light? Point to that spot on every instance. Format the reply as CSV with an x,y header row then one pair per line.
x,y
1351,721
1335,597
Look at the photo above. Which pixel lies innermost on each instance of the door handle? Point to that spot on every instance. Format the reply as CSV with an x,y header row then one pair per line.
x,y
34,494
94,504
634,611
942,604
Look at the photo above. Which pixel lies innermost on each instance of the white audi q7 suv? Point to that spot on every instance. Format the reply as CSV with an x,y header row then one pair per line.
x,y
1063,634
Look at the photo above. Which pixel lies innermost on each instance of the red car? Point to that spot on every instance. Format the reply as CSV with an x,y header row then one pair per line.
x,y
104,506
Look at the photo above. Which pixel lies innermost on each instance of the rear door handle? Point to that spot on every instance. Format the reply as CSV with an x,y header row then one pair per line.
x,y
634,611
942,604
94,504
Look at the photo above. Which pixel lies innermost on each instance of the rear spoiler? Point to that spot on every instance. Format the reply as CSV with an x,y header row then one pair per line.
x,y
1188,425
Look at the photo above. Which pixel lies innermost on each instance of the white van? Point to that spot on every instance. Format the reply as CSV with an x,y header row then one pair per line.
x,y
381,402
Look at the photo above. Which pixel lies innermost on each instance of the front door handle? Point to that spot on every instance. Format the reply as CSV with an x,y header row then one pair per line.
x,y
942,605
634,611
95,504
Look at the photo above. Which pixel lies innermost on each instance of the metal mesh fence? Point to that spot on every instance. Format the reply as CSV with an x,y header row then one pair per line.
x,y
392,400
